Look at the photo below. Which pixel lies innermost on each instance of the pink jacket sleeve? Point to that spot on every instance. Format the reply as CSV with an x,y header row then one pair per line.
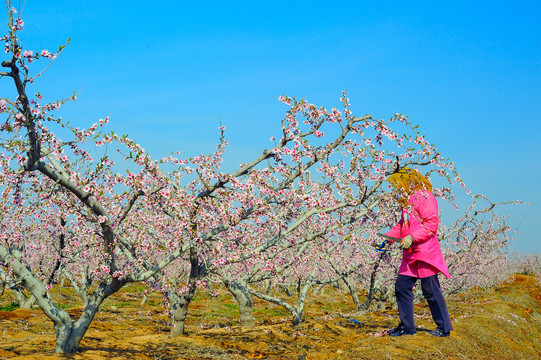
x,y
396,231
425,208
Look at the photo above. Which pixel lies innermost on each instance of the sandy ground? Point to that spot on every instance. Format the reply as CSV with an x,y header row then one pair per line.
x,y
499,323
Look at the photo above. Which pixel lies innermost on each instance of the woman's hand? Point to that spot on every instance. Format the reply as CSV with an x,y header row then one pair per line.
x,y
406,242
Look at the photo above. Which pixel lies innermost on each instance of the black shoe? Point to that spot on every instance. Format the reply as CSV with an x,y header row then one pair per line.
x,y
439,333
401,331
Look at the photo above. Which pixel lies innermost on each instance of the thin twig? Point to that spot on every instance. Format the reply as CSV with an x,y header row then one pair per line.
x,y
440,353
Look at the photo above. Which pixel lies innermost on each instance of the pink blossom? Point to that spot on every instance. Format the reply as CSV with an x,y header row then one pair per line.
x,y
284,100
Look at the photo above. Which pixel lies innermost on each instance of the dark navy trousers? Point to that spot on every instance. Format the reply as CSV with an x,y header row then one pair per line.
x,y
432,293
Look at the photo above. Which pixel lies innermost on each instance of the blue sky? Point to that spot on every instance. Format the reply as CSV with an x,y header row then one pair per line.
x,y
468,72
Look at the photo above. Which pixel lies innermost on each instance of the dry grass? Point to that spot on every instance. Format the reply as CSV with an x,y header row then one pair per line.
x,y
499,323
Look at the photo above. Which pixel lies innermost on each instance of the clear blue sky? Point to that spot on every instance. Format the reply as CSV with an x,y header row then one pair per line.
x,y
469,72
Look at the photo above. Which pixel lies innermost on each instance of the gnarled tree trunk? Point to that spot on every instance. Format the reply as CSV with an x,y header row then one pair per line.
x,y
239,289
179,303
68,332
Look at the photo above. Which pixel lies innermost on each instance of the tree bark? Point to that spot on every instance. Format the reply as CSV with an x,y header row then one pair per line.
x,y
24,301
239,289
297,310
179,312
352,292
179,303
68,332
372,285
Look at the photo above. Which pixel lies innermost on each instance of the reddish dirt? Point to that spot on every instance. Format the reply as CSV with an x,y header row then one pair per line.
x,y
503,322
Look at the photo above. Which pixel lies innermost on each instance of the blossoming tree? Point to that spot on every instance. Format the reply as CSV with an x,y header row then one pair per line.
x,y
312,197
76,192
304,211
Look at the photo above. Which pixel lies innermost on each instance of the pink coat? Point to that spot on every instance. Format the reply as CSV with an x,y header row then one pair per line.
x,y
421,221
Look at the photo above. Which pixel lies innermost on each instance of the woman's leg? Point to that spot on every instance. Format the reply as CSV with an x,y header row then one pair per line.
x,y
404,298
436,302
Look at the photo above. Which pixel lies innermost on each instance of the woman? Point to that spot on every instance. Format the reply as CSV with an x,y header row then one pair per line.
x,y
421,255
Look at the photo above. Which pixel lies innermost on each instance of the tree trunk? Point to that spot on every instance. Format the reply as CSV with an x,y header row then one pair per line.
x,y
320,291
297,318
303,292
68,337
179,303
352,292
372,285
24,301
179,312
28,303
298,310
239,289
68,332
